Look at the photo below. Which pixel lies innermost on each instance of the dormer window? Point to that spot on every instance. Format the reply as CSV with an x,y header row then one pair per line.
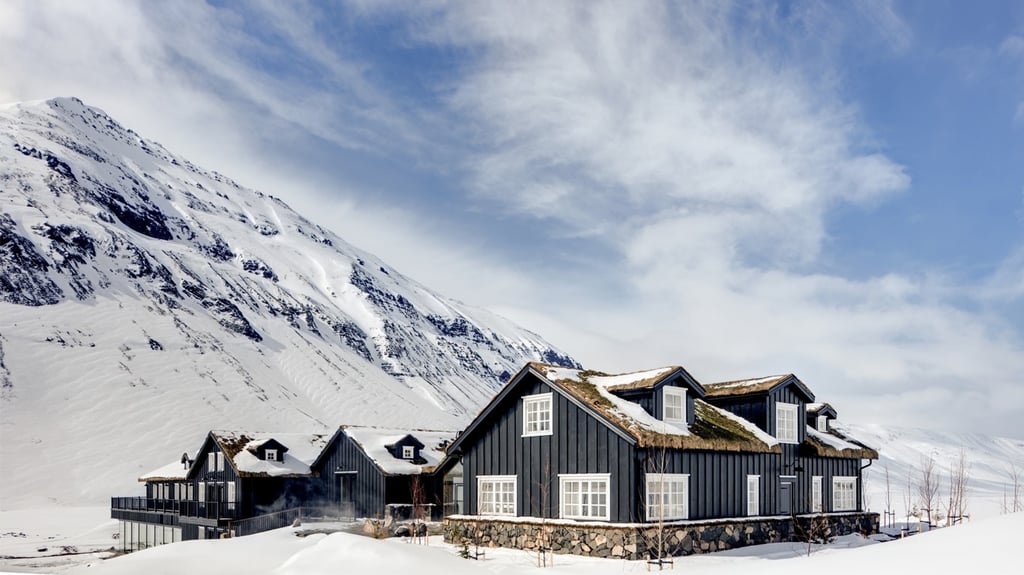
x,y
408,452
785,422
673,405
271,455
822,423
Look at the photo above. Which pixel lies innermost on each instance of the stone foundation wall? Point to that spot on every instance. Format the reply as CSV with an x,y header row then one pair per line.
x,y
641,541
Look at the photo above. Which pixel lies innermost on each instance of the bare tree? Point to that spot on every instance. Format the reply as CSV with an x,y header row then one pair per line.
x,y
956,503
928,486
545,553
418,494
1015,503
909,506
813,530
656,464
889,513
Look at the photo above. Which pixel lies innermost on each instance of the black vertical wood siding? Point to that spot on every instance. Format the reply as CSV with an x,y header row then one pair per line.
x,y
579,444
368,486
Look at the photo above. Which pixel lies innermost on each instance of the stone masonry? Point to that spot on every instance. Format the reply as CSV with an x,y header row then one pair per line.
x,y
640,541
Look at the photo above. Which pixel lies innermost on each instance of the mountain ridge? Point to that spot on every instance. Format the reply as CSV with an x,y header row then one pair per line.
x,y
172,300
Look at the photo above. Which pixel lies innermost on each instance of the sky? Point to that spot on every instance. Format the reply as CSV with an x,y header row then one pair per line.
x,y
834,190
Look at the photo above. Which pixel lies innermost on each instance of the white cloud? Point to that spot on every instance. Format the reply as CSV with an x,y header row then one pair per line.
x,y
690,150
1012,46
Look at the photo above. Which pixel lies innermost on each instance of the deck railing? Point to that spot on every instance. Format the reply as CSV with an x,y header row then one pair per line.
x,y
189,508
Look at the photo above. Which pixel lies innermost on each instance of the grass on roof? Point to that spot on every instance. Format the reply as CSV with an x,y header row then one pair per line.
x,y
817,447
711,429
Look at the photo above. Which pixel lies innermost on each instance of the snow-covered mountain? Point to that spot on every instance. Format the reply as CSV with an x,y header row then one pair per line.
x,y
903,452
144,300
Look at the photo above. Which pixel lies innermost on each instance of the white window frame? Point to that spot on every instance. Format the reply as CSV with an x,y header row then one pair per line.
x,y
534,405
211,461
844,493
822,423
789,433
675,393
593,504
676,486
753,495
408,452
220,461
201,492
231,487
271,454
504,500
817,497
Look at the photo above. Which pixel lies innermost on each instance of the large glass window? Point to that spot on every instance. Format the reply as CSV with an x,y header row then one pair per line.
x,y
844,493
785,422
674,404
537,414
496,494
668,496
584,496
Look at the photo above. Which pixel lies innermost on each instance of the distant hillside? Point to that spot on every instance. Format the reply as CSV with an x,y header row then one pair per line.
x,y
902,451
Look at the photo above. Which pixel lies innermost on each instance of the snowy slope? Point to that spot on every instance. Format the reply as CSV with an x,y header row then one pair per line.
x,y
902,451
144,301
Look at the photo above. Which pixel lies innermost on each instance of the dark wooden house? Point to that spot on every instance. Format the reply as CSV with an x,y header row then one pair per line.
x,y
236,483
239,483
378,471
649,446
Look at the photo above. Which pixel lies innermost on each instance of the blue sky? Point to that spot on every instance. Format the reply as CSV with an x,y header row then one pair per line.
x,y
830,189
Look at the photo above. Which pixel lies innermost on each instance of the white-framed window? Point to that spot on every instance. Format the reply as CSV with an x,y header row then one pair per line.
x,y
668,496
231,495
496,494
673,404
271,455
785,422
537,414
408,451
844,493
215,461
753,495
201,488
816,495
822,423
584,496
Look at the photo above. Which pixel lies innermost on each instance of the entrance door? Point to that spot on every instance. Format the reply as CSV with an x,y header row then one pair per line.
x,y
214,494
346,494
785,497
457,495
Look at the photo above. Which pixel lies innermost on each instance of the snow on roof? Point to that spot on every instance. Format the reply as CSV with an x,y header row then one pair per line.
x,y
819,406
630,411
742,386
831,444
713,428
175,471
374,442
240,447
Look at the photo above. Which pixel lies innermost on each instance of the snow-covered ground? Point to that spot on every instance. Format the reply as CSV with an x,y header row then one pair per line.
x,y
53,525
989,546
